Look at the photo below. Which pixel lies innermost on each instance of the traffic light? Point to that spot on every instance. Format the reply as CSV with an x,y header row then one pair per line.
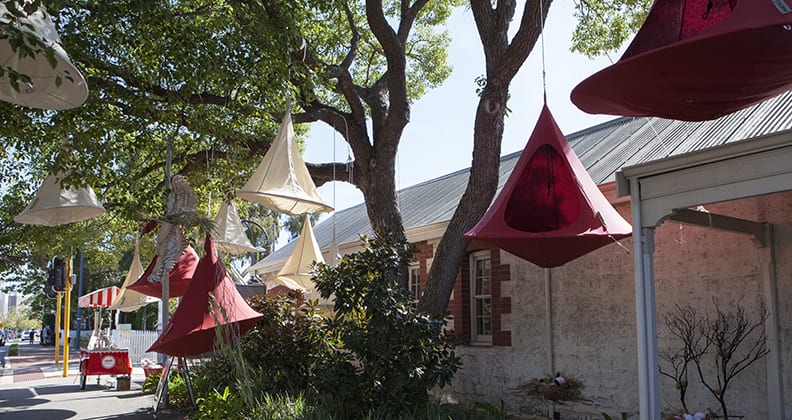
x,y
57,275
50,292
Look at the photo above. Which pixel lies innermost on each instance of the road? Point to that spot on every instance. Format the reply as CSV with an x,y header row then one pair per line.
x,y
32,387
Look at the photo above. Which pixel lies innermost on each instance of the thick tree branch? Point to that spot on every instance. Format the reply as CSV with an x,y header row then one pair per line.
x,y
524,40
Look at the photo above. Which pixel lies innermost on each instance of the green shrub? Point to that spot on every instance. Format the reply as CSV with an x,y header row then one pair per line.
x,y
13,350
285,345
178,396
388,354
375,359
214,375
150,383
279,352
220,406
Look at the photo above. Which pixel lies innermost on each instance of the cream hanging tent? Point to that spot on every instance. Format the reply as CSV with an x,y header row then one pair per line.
x,y
53,206
230,234
282,182
130,300
62,87
296,272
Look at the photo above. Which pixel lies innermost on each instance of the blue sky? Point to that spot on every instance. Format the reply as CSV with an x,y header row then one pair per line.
x,y
439,138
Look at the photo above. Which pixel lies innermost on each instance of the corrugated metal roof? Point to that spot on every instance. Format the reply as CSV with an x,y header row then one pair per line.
x,y
603,149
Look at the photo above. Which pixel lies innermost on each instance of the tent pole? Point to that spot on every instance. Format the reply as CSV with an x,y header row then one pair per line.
x,y
643,250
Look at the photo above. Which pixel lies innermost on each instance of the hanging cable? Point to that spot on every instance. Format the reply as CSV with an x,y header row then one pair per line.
x,y
350,163
542,41
334,245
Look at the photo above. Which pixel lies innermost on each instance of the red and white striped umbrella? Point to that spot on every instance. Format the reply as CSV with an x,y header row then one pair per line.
x,y
101,298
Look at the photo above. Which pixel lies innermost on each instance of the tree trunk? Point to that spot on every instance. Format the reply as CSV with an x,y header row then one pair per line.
x,y
503,60
480,191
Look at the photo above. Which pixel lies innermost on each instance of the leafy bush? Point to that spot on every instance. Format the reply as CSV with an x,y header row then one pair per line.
x,y
220,406
13,350
214,375
178,395
279,352
376,358
150,383
285,345
388,353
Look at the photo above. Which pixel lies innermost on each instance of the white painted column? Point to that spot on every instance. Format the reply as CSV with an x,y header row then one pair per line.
x,y
775,383
645,313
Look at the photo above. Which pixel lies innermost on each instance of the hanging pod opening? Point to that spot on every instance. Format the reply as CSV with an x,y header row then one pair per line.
x,y
545,197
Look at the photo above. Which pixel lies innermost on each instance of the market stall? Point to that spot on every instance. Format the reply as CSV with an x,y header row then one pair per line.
x,y
101,357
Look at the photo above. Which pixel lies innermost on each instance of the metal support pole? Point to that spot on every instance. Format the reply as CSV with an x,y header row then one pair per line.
x,y
643,247
67,318
775,373
549,321
79,293
549,329
57,324
164,309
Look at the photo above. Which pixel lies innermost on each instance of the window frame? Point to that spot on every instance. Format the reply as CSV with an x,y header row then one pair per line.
x,y
414,282
475,336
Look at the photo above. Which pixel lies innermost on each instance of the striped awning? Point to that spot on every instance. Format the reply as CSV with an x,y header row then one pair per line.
x,y
101,298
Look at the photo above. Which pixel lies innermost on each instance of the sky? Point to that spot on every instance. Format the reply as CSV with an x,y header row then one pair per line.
x,y
439,138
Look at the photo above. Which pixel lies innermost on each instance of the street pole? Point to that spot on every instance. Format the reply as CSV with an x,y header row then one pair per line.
x,y
57,324
79,293
66,319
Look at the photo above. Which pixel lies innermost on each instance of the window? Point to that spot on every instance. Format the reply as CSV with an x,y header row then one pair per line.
x,y
481,298
415,281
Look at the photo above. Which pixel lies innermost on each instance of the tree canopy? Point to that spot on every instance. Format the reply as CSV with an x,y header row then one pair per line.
x,y
207,82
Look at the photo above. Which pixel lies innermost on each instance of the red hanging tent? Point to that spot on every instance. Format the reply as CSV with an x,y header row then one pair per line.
x,y
694,63
212,299
550,211
178,280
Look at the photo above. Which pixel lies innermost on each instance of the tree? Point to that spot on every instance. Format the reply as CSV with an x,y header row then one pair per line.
x,y
604,25
731,340
685,324
207,82
737,341
503,58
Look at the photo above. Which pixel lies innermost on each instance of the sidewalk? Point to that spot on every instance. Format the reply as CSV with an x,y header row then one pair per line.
x,y
37,362
32,387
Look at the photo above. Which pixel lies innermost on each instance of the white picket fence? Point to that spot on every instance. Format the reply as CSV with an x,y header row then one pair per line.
x,y
137,342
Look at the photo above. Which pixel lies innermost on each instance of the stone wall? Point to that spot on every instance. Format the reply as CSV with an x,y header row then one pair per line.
x,y
593,310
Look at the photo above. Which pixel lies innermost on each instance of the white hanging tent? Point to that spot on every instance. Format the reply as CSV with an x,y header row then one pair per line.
x,y
229,235
53,206
130,300
62,87
282,182
296,272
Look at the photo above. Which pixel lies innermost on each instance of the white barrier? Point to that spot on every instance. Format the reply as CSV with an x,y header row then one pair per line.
x,y
137,342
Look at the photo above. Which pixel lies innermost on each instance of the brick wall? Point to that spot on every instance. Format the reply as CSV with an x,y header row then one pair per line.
x,y
593,310
459,304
